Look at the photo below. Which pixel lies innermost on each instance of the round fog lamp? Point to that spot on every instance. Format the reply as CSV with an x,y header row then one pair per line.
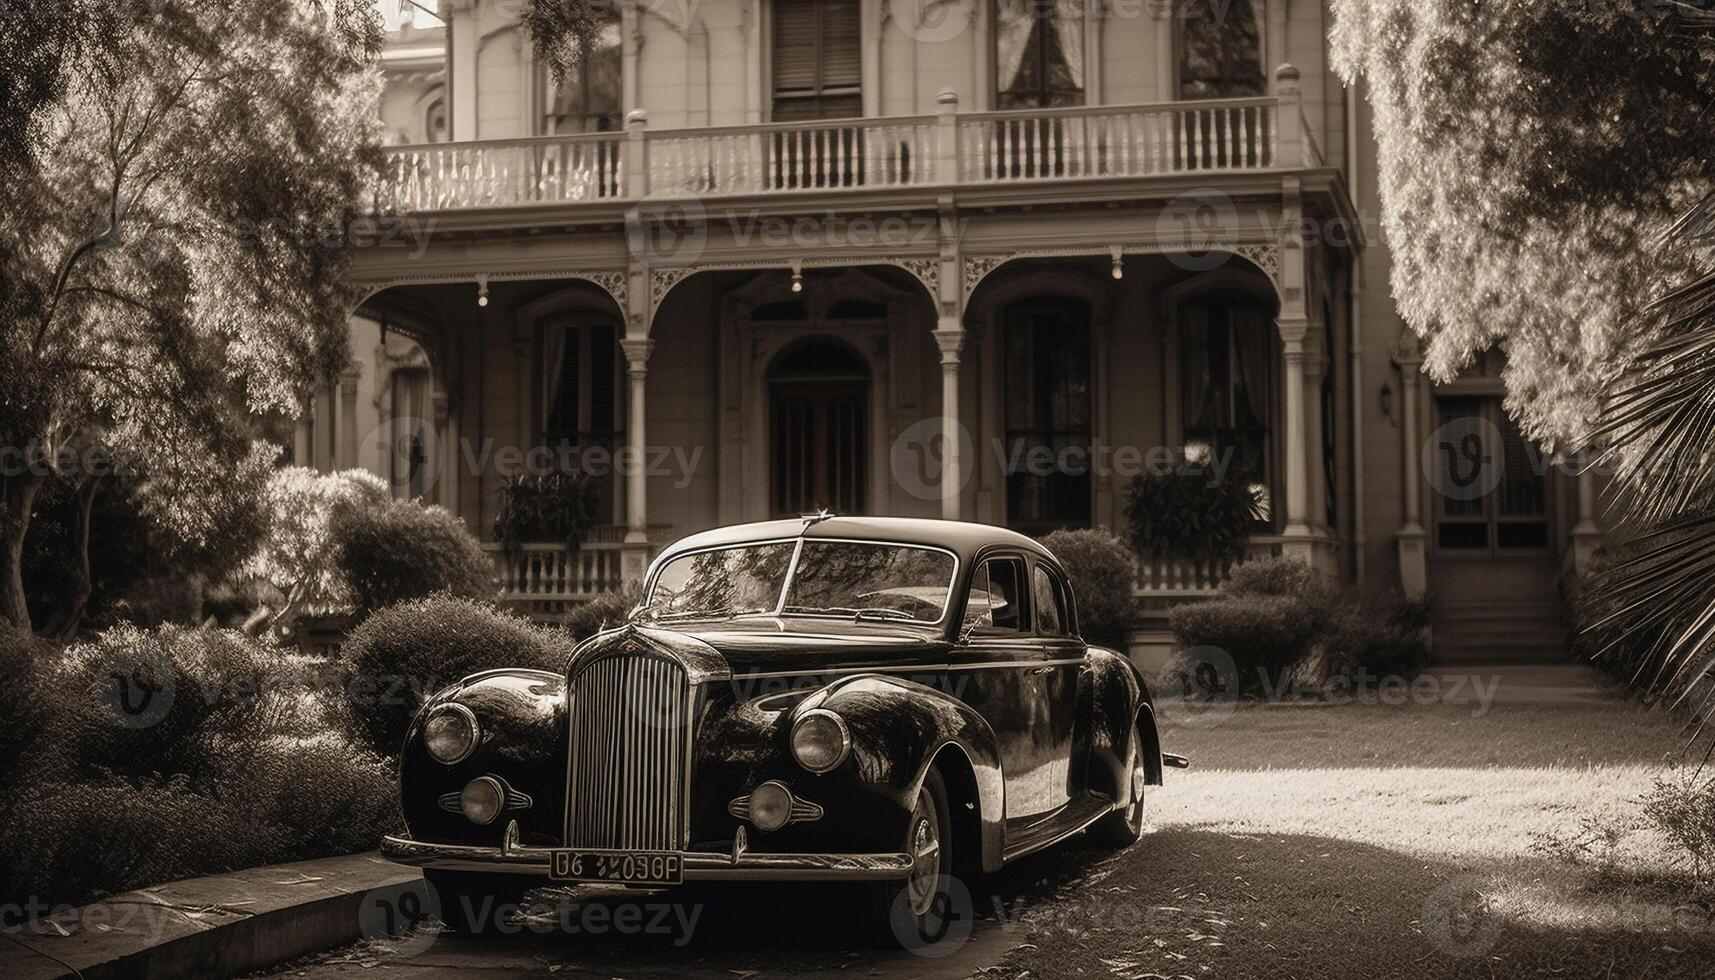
x,y
482,799
450,734
820,740
770,806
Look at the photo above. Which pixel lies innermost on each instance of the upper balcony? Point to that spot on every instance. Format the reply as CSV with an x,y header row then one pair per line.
x,y
889,155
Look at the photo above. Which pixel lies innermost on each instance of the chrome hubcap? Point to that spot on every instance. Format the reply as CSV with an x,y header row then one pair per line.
x,y
1139,778
925,844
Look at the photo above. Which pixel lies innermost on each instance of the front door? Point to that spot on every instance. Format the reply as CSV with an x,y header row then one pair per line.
x,y
819,443
1009,676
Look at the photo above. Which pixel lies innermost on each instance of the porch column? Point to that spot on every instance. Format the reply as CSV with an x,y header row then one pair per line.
x,y
636,560
301,435
463,38
950,337
1586,533
1292,333
1413,565
1316,500
346,456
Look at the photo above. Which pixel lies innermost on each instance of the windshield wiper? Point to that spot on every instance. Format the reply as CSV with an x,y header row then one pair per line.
x,y
881,612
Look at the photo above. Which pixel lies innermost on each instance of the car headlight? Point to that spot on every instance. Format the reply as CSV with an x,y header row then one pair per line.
x,y
482,799
820,740
451,733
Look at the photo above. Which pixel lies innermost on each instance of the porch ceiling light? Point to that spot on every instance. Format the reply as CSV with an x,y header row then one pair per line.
x,y
797,277
482,290
1118,267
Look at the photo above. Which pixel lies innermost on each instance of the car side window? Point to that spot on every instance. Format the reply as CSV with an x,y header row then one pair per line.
x,y
996,605
1050,602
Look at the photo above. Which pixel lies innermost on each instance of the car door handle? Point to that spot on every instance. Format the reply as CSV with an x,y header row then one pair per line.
x,y
1038,671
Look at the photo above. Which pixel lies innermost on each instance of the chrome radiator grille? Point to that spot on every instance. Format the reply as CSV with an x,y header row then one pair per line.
x,y
629,754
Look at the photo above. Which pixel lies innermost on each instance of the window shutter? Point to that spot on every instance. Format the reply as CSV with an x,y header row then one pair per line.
x,y
841,55
794,47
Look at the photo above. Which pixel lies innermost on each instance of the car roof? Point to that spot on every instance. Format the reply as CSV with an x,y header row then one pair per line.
x,y
961,537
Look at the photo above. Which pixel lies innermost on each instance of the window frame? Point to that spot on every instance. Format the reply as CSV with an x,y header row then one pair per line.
x,y
1088,40
1177,29
542,84
1227,296
1027,621
770,94
1063,601
1088,313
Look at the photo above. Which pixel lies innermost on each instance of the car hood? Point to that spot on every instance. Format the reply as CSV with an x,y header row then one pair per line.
x,y
799,644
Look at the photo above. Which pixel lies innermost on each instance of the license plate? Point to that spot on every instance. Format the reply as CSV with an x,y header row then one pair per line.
x,y
622,867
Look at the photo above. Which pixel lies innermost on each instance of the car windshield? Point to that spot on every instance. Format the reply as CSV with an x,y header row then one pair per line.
x,y
856,579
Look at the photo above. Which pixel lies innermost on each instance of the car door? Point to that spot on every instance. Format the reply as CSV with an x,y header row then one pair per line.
x,y
1063,653
1002,671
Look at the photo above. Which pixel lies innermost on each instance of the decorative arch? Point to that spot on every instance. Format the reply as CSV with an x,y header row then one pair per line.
x,y
1264,257
925,269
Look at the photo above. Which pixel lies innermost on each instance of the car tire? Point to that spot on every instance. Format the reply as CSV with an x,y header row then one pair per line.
x,y
924,908
1122,828
475,903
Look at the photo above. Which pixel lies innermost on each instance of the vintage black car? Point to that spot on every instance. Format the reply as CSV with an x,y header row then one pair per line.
x,y
897,703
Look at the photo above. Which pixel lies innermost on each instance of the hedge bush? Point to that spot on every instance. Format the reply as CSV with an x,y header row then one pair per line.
x,y
1377,635
401,549
403,654
1193,513
170,700
1263,634
605,611
1102,573
232,764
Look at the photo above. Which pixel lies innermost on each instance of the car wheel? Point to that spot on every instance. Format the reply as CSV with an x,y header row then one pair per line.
x,y
475,903
1122,828
925,907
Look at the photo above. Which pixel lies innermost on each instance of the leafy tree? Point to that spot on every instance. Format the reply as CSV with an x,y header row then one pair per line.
x,y
1546,181
180,173
561,31
1530,156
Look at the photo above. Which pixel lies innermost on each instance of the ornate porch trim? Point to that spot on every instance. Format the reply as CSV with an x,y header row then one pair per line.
x,y
925,269
1264,255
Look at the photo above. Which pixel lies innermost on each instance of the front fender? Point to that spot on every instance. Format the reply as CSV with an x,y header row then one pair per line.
x,y
900,728
522,718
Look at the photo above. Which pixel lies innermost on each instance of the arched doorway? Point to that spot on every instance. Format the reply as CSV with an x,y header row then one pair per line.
x,y
818,438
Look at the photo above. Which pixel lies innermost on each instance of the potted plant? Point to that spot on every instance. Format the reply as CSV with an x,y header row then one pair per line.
x,y
543,507
1193,513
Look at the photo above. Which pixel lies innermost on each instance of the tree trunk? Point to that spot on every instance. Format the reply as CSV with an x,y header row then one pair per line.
x,y
20,497
85,583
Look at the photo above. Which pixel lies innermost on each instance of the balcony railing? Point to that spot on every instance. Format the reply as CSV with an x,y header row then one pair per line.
x,y
1172,578
945,149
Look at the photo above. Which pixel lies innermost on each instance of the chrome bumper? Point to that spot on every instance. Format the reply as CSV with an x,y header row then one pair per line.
x,y
738,865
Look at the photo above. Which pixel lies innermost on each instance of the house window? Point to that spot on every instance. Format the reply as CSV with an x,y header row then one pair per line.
x,y
818,60
435,122
1039,53
1491,482
1047,356
1226,371
587,99
581,391
411,451
1220,49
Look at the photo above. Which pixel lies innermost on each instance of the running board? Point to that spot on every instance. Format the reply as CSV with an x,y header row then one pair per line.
x,y
1035,833
1176,761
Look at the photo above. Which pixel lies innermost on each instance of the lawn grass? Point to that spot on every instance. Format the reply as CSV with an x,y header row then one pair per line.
x,y
1374,841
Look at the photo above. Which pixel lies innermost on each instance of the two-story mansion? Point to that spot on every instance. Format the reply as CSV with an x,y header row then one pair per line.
x,y
982,259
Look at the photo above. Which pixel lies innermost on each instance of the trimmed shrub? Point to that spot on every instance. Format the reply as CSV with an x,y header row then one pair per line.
x,y
398,550
1376,635
292,800
1102,573
402,655
1268,617
604,612
27,702
165,701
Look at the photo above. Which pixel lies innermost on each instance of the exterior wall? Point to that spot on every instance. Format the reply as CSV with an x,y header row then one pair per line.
x,y
712,71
